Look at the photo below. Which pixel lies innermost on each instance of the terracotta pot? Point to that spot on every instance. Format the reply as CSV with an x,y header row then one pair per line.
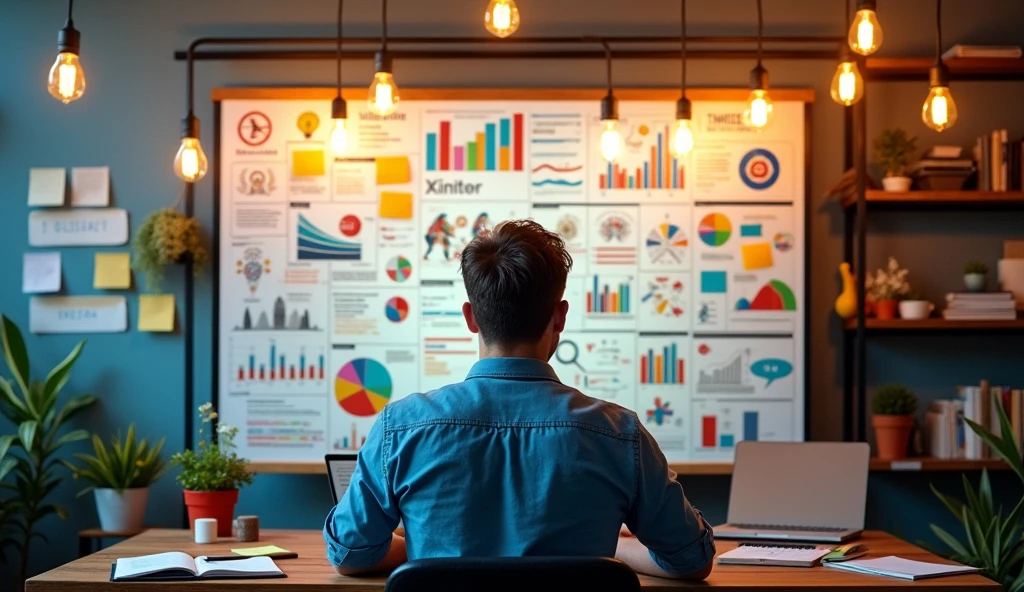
x,y
212,504
892,432
885,310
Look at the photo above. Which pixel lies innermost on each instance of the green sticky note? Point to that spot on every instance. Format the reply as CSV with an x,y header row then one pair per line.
x,y
259,551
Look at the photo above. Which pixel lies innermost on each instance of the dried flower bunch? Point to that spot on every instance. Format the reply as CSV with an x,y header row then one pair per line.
x,y
165,237
888,284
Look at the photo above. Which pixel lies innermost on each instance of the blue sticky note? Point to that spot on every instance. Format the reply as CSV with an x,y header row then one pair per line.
x,y
750,230
712,282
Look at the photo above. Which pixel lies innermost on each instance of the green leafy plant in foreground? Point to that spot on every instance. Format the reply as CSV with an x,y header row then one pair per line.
x,y
126,465
215,466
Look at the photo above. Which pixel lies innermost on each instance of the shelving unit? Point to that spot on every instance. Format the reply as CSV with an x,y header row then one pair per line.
x,y
910,199
935,324
937,464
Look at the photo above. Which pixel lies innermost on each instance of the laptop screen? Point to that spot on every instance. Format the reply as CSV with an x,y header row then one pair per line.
x,y
339,469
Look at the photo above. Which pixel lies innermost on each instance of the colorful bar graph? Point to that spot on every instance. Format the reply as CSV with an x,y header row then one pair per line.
x,y
498,147
662,368
254,371
726,441
660,171
750,425
708,429
608,300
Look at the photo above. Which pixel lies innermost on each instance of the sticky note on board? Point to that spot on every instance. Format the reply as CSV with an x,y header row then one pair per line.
x,y
259,551
757,256
713,282
112,271
156,313
46,186
396,204
308,163
392,170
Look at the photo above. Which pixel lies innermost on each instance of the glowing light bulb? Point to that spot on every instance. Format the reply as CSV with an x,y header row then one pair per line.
x,y
502,17
758,113
339,136
383,98
847,84
682,138
611,141
66,81
190,162
939,110
865,33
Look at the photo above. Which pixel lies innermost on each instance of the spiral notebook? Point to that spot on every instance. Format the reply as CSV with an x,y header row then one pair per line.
x,y
782,554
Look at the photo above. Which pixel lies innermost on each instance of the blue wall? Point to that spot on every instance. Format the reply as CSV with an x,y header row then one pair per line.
x,y
129,120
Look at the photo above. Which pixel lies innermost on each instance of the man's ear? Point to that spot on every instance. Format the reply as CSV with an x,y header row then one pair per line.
x,y
467,312
558,320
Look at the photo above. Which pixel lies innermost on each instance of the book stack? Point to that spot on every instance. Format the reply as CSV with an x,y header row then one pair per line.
x,y
987,306
1000,162
947,434
1009,52
941,169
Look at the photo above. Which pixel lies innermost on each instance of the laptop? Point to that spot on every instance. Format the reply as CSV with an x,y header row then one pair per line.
x,y
801,491
339,472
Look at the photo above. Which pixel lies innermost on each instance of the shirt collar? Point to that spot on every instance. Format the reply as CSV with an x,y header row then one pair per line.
x,y
514,368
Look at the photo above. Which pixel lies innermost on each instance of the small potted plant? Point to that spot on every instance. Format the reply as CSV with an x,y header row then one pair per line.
x,y
975,276
167,236
893,150
914,307
120,478
893,409
213,474
886,287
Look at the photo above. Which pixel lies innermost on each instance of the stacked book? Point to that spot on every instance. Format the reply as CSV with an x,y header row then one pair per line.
x,y
1000,162
948,435
941,169
987,306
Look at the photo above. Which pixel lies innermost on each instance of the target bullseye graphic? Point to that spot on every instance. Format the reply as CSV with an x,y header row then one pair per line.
x,y
759,169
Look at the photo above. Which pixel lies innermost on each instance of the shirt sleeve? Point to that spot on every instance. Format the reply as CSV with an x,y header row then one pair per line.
x,y
676,534
358,530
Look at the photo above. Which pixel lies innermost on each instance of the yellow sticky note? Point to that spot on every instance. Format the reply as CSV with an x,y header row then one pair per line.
x,y
156,312
308,163
757,256
392,170
396,204
259,551
113,271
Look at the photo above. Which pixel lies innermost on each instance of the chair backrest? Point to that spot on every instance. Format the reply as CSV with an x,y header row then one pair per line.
x,y
530,574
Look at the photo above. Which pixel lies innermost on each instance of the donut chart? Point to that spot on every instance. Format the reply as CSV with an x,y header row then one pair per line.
x,y
714,229
396,309
399,269
363,387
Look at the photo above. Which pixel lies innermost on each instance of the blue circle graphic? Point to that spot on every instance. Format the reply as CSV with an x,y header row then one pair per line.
x,y
766,182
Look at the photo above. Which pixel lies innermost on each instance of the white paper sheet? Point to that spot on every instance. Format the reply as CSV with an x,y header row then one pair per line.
x,y
46,186
90,187
68,228
41,273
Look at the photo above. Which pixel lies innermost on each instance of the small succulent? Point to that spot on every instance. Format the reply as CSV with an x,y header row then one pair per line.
x,y
894,399
975,267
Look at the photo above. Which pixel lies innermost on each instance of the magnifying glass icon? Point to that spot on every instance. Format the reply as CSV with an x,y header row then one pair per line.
x,y
568,352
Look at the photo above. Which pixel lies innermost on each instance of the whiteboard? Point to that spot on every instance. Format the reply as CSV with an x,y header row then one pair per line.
x,y
339,288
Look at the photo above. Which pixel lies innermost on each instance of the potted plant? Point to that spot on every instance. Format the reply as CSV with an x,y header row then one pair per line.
x,y
167,236
914,307
893,150
975,276
120,479
893,410
885,287
213,474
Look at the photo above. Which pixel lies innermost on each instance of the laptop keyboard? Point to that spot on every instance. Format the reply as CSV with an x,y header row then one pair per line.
x,y
782,527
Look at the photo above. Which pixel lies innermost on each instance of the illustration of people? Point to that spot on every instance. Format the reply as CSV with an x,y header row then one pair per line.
x,y
440,233
704,315
480,224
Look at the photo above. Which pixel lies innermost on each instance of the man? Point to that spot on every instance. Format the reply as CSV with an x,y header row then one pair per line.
x,y
510,462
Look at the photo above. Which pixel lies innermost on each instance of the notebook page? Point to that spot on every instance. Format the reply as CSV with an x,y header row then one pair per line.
x,y
769,552
253,566
129,567
897,567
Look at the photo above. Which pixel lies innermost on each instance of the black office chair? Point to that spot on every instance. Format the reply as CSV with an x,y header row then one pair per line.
x,y
529,574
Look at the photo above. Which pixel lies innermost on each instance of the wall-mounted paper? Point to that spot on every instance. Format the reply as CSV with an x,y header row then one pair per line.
x,y
112,271
46,187
396,204
156,312
78,314
392,170
68,228
90,187
41,273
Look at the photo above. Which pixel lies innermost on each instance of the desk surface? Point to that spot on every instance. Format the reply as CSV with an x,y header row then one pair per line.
x,y
311,572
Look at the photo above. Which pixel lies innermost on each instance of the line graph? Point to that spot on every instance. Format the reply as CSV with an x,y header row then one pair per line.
x,y
557,151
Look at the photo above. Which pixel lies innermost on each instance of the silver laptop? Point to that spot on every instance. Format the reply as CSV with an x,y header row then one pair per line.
x,y
803,491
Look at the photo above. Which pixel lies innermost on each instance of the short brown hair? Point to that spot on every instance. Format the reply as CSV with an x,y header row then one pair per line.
x,y
515,277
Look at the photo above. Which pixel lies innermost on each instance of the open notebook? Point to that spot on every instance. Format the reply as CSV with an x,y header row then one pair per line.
x,y
907,569
180,566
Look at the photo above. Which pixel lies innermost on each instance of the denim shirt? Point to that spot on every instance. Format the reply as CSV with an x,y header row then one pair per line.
x,y
511,462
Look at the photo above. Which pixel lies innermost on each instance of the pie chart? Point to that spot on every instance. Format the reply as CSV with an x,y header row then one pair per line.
x,y
714,229
399,269
363,387
667,241
396,309
775,295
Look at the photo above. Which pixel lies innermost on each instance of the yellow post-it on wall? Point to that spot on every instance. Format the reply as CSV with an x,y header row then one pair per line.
x,y
156,312
392,170
112,271
308,163
396,204
757,256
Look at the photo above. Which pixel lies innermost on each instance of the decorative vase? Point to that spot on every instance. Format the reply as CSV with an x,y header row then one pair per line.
x,y
897,183
212,504
975,282
892,432
885,310
846,303
121,511
915,310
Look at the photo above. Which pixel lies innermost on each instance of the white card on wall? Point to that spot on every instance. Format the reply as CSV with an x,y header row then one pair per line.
x,y
78,314
41,272
68,228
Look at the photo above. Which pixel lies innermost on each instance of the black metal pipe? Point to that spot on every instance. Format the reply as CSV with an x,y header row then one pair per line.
x,y
582,40
290,55
860,269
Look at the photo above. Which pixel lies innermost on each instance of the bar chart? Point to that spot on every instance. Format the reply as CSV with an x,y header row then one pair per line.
x,y
663,367
278,363
609,297
658,169
731,376
713,437
498,146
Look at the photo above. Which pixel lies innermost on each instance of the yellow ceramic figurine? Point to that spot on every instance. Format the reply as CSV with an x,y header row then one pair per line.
x,y
846,303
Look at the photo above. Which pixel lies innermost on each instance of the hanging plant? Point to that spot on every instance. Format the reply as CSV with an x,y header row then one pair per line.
x,y
165,237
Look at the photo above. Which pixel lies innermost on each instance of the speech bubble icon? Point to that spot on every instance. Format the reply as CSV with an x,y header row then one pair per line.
x,y
771,369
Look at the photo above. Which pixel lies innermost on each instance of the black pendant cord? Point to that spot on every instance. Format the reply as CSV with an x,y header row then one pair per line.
x,y
384,25
682,44
340,5
760,31
938,32
71,3
846,16
608,64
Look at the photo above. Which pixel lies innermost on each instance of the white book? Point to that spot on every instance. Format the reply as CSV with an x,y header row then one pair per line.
x,y
180,566
982,51
945,152
897,567
976,296
781,554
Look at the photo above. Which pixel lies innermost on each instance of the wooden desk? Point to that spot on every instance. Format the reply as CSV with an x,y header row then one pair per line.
x,y
311,572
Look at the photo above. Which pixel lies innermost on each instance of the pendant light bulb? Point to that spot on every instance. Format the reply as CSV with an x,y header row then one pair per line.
x,y
865,35
847,84
682,135
611,141
383,97
66,80
339,133
502,17
759,111
190,164
939,111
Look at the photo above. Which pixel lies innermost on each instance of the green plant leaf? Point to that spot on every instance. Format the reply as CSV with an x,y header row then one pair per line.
x,y
949,540
15,352
68,438
73,407
27,433
58,377
1006,448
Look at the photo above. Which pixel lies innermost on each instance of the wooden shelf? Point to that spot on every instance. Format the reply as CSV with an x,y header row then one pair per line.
x,y
937,464
936,324
320,468
937,198
959,68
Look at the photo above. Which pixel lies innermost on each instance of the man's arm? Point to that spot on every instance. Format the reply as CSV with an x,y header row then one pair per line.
x,y
638,557
396,556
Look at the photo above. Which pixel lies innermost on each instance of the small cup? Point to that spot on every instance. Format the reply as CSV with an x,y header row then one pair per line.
x,y
247,528
206,530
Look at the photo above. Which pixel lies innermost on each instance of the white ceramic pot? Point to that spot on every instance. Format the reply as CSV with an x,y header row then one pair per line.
x,y
975,282
896,183
915,310
120,512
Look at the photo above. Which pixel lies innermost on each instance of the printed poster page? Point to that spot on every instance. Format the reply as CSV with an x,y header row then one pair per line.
x,y
279,428
399,236
374,315
446,229
558,143
759,369
371,135
343,235
449,349
600,365
571,223
719,424
663,394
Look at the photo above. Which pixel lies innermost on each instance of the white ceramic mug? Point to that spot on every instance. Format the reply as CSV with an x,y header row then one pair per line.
x,y
915,310
206,530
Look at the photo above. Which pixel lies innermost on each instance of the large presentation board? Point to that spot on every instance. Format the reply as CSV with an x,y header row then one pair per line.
x,y
339,288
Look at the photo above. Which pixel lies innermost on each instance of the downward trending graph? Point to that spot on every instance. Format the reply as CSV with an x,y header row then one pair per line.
x,y
557,152
314,243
